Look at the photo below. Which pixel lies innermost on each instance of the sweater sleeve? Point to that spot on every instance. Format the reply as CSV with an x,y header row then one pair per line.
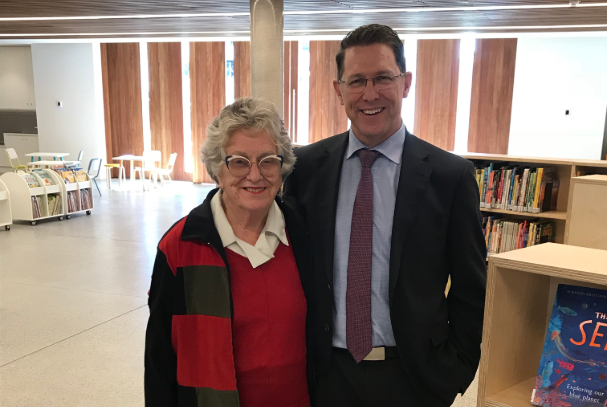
x,y
160,380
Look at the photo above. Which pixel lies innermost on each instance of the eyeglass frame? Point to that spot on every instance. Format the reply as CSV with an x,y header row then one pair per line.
x,y
227,162
340,81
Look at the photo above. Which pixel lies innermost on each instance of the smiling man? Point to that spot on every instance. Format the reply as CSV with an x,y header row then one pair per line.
x,y
391,218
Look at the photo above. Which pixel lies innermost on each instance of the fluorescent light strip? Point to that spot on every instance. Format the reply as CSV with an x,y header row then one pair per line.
x,y
468,28
125,17
339,30
125,34
315,12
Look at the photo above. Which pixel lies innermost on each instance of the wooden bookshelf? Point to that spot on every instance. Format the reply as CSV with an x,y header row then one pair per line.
x,y
567,170
560,215
521,287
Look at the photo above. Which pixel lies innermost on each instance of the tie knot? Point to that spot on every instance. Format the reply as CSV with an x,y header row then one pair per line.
x,y
367,157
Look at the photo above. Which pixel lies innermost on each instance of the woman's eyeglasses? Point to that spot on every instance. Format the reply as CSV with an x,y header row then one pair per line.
x,y
269,166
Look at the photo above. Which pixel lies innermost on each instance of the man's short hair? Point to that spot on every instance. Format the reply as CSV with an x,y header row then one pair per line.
x,y
368,35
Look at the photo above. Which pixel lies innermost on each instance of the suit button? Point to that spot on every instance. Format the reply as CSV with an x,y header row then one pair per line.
x,y
329,287
327,327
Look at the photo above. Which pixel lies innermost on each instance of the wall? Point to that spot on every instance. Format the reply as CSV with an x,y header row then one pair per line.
x,y
554,75
16,78
67,73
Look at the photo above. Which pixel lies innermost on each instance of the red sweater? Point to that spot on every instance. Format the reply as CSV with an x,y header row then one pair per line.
x,y
268,329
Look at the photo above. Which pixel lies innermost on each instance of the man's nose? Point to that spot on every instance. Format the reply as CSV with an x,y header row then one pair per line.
x,y
370,91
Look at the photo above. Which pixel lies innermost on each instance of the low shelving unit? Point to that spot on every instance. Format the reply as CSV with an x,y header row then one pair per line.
x,y
65,198
521,288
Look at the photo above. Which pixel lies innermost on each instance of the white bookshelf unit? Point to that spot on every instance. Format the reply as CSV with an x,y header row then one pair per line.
x,y
21,196
6,216
78,189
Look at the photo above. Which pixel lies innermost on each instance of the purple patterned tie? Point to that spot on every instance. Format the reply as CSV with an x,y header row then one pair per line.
x,y
358,294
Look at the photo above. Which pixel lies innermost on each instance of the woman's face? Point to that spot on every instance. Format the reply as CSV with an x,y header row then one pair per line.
x,y
255,192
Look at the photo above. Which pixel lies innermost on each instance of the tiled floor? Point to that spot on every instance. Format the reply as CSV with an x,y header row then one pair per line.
x,y
73,300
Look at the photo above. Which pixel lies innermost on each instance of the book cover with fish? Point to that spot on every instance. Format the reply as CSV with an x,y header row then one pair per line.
x,y
573,367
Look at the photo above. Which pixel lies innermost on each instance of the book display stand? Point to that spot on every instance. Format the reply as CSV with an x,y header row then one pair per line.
x,y
521,288
6,217
566,170
50,199
78,196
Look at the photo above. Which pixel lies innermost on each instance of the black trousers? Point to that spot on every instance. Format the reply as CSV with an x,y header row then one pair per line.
x,y
382,383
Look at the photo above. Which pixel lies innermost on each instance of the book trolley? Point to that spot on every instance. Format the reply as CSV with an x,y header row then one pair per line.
x,y
6,217
51,199
78,196
521,288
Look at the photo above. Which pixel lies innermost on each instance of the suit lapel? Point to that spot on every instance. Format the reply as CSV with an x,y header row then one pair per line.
x,y
412,185
327,187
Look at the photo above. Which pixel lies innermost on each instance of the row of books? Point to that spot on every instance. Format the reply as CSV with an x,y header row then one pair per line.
x,y
71,175
503,235
54,205
36,207
516,188
86,198
72,201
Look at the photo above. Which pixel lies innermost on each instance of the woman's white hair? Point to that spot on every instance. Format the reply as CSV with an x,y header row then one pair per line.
x,y
245,114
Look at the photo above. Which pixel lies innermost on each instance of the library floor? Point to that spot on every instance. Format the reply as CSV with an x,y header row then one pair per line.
x,y
73,302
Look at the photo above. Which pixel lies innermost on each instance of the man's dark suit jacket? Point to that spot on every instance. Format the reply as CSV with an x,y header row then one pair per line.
x,y
436,233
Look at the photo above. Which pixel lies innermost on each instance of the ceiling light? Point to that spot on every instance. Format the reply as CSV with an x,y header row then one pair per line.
x,y
315,12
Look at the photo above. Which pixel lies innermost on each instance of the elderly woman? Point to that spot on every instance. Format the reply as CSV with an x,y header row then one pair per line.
x,y
227,306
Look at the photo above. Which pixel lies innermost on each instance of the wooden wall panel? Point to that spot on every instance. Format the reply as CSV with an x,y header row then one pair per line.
x,y
492,87
207,84
122,99
242,69
291,78
436,91
327,115
166,104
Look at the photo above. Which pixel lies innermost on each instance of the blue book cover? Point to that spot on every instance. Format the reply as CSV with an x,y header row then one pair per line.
x,y
573,369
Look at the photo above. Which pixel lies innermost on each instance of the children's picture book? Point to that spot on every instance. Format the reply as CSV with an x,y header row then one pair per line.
x,y
45,176
31,180
573,367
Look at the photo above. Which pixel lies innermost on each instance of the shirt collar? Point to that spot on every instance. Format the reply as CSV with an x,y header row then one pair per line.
x,y
391,148
275,223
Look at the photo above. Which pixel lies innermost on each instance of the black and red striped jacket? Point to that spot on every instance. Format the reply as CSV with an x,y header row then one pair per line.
x,y
189,360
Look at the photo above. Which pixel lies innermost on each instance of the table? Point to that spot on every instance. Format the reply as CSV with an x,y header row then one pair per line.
x,y
40,155
132,158
45,163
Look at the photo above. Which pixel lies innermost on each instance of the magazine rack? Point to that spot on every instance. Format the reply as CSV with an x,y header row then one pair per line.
x,y
6,217
521,287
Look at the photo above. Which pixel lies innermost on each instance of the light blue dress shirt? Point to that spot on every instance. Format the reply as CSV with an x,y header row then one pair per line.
x,y
386,173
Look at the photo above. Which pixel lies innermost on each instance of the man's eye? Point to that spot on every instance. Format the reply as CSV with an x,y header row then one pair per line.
x,y
382,79
358,82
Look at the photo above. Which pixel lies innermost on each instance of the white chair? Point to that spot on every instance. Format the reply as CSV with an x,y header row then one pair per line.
x,y
150,158
12,155
162,172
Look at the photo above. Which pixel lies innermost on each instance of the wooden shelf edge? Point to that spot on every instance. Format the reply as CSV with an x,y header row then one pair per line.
x,y
518,395
558,215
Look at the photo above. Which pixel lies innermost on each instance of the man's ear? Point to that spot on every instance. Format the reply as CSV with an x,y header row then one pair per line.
x,y
408,81
338,91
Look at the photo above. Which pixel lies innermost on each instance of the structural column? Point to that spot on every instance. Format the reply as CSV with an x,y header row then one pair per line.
x,y
267,51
